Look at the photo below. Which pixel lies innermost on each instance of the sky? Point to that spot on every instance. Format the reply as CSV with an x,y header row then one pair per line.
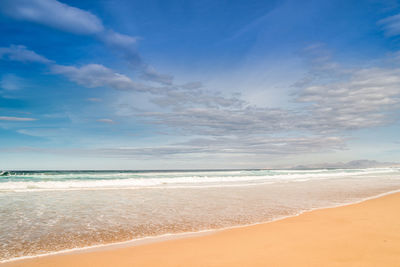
x,y
205,84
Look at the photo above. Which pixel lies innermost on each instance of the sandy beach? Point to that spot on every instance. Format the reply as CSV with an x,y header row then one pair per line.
x,y
362,234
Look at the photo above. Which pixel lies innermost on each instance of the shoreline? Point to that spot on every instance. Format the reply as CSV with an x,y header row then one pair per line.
x,y
149,240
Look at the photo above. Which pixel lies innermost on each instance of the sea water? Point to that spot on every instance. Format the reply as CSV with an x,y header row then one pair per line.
x,y
49,211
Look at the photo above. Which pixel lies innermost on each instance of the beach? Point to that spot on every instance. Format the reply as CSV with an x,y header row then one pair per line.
x,y
362,234
54,213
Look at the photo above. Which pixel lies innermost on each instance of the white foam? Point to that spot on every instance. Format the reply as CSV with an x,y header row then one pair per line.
x,y
204,179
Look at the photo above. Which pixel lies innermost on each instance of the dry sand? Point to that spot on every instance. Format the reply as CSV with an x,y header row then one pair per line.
x,y
363,234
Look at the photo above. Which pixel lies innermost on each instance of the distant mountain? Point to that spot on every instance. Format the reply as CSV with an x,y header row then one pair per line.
x,y
354,164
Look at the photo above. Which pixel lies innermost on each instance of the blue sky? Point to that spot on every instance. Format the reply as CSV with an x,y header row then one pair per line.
x,y
197,84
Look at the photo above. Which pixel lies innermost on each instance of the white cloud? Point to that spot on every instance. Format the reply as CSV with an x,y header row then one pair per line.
x,y
96,75
150,74
272,147
366,98
196,98
6,118
22,54
261,144
354,164
124,45
94,99
110,121
54,14
119,40
192,85
11,82
90,75
391,25
220,121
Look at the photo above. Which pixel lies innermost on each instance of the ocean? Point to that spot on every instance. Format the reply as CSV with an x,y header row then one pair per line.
x,y
45,212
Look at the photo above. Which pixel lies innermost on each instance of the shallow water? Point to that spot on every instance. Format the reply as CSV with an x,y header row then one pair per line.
x,y
42,212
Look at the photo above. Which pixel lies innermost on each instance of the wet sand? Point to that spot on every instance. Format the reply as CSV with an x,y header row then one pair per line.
x,y
363,234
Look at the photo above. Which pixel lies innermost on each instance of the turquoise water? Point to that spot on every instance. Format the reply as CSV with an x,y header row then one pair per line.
x,y
49,211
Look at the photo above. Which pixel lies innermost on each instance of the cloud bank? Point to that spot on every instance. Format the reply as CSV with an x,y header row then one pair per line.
x,y
349,99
